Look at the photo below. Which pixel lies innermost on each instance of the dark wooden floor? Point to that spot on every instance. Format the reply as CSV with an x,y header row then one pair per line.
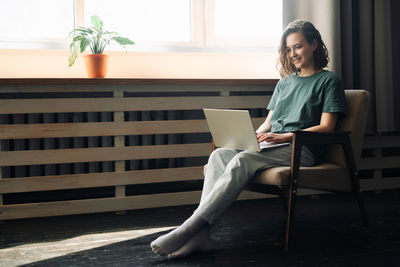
x,y
328,232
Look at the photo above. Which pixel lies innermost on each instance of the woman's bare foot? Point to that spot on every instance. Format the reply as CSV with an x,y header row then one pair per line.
x,y
199,243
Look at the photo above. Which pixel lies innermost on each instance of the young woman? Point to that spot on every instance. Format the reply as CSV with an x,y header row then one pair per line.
x,y
307,98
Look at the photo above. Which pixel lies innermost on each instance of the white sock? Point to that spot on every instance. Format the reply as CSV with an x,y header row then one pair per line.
x,y
175,239
199,243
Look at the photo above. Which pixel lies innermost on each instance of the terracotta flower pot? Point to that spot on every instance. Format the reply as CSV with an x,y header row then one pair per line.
x,y
96,65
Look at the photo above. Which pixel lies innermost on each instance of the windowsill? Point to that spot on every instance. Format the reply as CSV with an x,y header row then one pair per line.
x,y
20,63
134,81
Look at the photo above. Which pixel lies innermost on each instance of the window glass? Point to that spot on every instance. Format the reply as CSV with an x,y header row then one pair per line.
x,y
151,24
144,20
28,20
256,19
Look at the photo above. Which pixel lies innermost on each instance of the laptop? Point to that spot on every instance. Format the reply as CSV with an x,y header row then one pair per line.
x,y
234,129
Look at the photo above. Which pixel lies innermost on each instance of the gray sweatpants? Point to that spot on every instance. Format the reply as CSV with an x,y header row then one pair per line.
x,y
229,171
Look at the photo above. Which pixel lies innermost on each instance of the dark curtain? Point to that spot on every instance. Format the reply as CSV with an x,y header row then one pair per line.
x,y
370,57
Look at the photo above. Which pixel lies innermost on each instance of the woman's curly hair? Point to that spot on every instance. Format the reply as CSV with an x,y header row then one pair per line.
x,y
321,59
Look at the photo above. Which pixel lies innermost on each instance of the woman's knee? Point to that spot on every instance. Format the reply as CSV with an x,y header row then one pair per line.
x,y
246,155
242,159
223,150
222,153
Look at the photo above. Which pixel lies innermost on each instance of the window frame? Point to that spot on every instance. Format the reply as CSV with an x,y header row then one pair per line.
x,y
203,37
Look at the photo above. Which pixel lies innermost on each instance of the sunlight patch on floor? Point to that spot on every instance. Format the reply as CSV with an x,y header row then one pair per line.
x,y
34,252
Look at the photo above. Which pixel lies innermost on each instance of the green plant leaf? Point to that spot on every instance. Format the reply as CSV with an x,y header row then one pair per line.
x,y
111,34
97,22
73,53
84,43
123,40
94,37
79,38
84,31
96,45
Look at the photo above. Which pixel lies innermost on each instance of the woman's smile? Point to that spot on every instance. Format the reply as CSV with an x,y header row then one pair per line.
x,y
300,52
296,60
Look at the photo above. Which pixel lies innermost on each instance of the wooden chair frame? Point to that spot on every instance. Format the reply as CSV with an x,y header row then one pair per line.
x,y
288,193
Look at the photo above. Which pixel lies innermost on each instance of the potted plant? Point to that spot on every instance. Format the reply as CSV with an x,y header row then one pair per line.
x,y
96,38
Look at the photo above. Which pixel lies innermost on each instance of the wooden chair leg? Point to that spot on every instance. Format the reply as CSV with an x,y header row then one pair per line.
x,y
294,179
283,197
355,180
290,220
360,202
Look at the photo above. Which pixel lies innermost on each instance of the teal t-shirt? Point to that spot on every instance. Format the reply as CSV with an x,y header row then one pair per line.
x,y
298,102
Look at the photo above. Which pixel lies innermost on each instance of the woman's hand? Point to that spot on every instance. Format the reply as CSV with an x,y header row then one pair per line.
x,y
274,137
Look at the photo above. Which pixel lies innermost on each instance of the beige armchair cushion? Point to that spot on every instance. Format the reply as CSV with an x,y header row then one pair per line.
x,y
354,122
326,176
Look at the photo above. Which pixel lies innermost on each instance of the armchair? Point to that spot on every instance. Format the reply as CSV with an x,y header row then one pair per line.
x,y
338,172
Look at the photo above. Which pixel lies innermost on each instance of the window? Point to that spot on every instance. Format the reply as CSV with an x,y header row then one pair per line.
x,y
244,23
25,21
144,20
180,25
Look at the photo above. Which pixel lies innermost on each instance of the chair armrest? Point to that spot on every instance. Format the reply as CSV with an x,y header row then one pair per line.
x,y
318,138
301,138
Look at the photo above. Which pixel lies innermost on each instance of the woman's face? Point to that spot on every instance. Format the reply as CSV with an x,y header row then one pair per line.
x,y
299,52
